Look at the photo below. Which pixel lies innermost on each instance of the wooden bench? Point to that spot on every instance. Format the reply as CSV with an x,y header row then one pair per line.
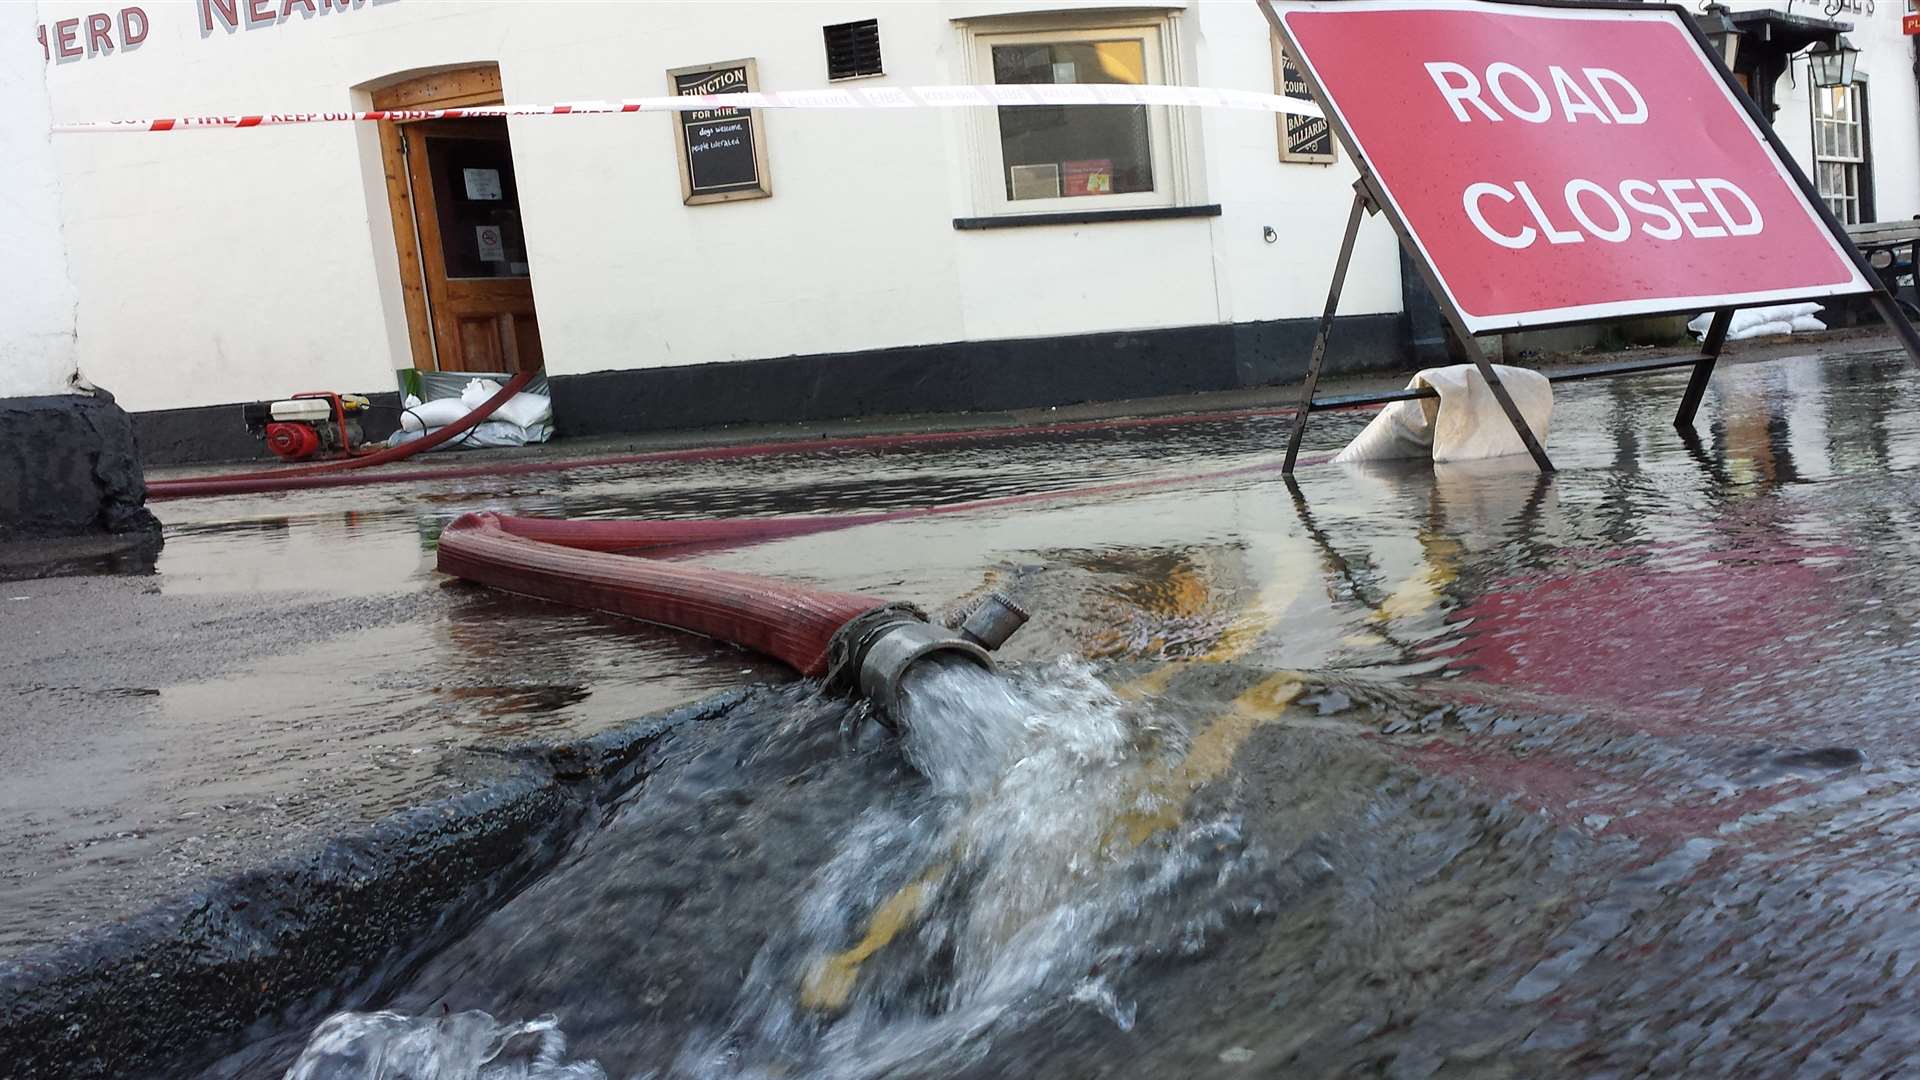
x,y
1892,248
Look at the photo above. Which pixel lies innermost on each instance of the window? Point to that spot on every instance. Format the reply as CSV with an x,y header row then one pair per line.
x,y
853,49
1840,168
1052,158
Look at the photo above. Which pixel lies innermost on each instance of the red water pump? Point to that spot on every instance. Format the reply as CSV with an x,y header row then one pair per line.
x,y
309,424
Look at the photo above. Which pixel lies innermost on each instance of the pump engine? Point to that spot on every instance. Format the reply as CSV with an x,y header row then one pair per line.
x,y
308,424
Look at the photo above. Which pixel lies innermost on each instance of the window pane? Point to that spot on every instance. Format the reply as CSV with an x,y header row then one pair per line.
x,y
1054,151
478,205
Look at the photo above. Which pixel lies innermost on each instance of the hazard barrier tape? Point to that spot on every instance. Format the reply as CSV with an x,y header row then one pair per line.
x,y
880,97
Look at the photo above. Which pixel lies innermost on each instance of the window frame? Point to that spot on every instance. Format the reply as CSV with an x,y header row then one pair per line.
x,y
1168,129
1855,202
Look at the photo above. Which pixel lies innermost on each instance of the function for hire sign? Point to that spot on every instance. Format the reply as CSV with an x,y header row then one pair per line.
x,y
1564,164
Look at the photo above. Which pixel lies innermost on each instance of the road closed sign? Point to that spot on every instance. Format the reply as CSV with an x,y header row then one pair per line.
x,y
1558,164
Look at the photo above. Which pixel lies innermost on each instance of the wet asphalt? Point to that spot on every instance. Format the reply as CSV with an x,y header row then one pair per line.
x,y
1600,774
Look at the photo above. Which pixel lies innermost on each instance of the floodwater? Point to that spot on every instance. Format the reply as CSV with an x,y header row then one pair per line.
x,y
1419,771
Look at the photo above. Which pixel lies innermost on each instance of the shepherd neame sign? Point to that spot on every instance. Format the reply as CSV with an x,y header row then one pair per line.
x,y
100,33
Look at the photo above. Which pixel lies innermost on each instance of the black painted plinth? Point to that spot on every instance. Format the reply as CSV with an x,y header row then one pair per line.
x,y
71,487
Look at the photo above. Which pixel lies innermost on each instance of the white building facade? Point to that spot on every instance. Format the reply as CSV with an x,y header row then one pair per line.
x,y
1859,143
814,264
37,310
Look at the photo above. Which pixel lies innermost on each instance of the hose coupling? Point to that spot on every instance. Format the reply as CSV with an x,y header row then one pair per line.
x,y
871,655
992,621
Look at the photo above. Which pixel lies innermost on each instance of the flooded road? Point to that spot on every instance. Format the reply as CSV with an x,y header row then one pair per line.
x,y
1417,771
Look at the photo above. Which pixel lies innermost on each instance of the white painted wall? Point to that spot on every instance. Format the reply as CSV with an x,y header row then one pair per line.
x,y
36,294
233,265
1306,204
221,266
1886,61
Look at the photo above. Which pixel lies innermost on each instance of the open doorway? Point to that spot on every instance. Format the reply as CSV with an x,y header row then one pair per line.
x,y
465,278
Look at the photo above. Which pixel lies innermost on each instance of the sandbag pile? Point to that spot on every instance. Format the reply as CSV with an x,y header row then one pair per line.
x,y
525,418
1764,321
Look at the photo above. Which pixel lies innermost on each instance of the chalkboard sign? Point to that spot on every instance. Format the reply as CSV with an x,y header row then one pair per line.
x,y
722,157
1302,138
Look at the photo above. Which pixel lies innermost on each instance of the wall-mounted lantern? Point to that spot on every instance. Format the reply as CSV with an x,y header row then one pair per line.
x,y
1716,24
1833,63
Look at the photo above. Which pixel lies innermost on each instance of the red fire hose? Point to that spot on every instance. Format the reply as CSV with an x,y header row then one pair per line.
x,y
784,621
859,643
338,474
326,473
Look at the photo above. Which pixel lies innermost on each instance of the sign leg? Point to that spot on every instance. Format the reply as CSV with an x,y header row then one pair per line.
x,y
1472,345
1319,355
1703,368
1890,313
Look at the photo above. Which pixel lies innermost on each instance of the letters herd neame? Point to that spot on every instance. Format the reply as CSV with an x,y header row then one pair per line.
x,y
100,33
1512,214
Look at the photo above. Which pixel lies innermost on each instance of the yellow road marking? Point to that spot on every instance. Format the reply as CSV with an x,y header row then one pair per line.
x,y
830,983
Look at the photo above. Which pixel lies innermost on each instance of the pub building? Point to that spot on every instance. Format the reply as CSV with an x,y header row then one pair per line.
x,y
677,270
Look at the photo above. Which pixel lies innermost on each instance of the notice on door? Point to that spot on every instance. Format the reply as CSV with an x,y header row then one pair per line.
x,y
721,154
483,185
492,246
1559,165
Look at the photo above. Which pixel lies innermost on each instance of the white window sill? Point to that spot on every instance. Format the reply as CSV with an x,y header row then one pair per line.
x,y
1087,217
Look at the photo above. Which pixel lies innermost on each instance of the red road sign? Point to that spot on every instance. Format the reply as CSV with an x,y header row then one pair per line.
x,y
1559,165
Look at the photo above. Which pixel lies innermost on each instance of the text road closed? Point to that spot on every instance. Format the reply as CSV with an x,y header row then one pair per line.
x,y
1559,165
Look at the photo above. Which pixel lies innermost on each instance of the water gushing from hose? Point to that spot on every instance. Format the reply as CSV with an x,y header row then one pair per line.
x,y
1040,862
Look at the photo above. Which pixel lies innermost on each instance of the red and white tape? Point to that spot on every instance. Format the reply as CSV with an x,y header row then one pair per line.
x,y
877,97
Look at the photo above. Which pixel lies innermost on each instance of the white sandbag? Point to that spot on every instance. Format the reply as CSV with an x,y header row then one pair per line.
x,y
523,409
1465,423
1807,324
1767,329
526,410
1745,319
478,391
431,414
488,433
499,433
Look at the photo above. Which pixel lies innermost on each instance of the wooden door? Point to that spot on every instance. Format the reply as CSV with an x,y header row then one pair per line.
x,y
465,279
473,247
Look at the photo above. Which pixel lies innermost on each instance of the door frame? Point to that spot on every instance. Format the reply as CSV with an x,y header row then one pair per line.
x,y
447,88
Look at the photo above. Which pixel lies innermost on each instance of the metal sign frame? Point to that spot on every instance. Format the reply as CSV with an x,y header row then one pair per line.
x,y
1367,201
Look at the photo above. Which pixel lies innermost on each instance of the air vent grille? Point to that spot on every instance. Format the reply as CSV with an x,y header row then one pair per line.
x,y
853,49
